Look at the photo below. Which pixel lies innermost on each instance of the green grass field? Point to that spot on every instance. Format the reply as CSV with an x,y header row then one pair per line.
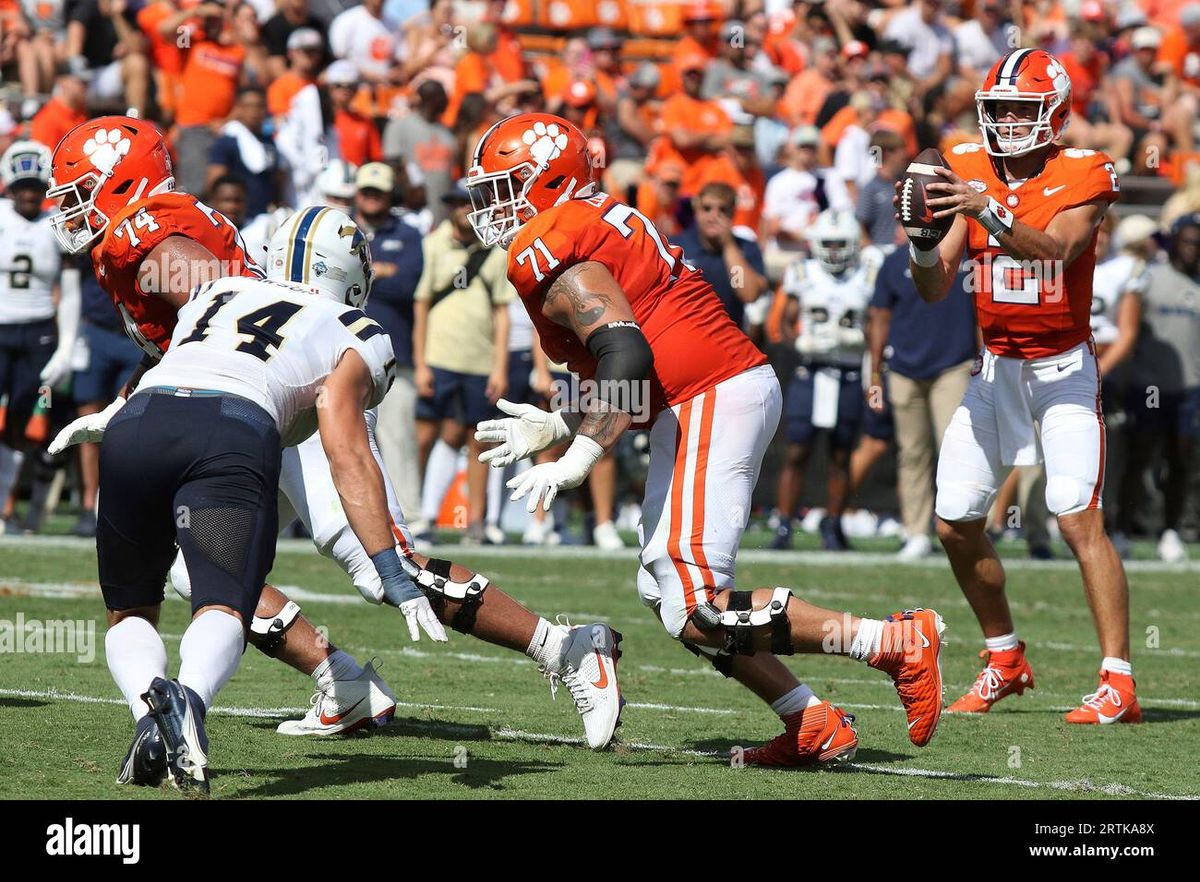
x,y
64,728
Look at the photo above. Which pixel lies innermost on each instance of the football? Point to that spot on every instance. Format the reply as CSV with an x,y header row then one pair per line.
x,y
923,230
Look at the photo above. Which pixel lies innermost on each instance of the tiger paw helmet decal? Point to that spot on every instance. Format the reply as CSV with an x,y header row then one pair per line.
x,y
105,149
546,142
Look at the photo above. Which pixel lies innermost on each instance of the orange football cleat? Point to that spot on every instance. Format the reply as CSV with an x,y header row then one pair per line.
x,y
821,733
1004,673
910,652
1113,702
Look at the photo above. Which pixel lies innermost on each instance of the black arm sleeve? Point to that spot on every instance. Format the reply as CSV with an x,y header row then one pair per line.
x,y
623,362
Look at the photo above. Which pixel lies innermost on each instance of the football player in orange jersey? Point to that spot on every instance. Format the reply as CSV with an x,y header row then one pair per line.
x,y
151,246
1026,210
652,344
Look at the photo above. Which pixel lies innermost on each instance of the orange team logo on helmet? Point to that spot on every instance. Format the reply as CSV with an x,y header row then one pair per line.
x,y
521,166
101,167
1031,77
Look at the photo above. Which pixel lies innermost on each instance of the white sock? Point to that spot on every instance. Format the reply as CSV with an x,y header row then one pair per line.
x,y
495,495
1117,666
1003,643
546,647
795,701
339,666
10,467
867,640
136,655
209,653
439,475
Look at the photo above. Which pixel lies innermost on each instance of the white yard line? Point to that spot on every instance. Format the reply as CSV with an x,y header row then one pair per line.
x,y
507,733
865,559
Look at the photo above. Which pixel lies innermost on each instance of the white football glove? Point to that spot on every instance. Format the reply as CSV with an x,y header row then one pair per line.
x,y
542,482
419,614
527,430
85,429
58,368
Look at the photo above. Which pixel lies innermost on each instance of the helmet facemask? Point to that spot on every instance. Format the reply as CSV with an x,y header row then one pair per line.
x,y
1021,136
499,208
835,255
78,222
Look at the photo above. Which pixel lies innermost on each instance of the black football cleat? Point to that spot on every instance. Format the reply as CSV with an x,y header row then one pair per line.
x,y
832,537
146,763
179,714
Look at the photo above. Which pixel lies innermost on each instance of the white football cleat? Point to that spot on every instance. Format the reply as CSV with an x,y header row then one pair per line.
x,y
346,706
1171,548
606,537
589,671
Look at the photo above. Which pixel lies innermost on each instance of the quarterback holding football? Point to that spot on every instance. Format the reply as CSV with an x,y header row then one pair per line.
x,y
1026,211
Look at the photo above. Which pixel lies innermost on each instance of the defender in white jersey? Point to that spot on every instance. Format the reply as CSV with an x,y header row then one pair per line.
x,y
36,336
825,312
582,658
194,459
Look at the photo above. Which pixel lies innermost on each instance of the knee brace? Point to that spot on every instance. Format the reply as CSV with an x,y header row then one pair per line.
x,y
740,621
269,630
434,580
1066,495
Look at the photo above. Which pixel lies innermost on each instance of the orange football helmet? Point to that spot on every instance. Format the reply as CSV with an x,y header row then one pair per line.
x,y
100,167
522,165
1024,75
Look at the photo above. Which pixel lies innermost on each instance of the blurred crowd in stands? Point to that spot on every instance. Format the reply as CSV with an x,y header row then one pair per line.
x,y
732,125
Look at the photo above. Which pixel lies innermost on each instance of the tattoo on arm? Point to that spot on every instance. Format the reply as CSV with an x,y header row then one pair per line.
x,y
570,304
604,426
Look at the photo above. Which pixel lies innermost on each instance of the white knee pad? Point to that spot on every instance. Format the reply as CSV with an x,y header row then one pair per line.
x,y
962,501
180,580
1065,495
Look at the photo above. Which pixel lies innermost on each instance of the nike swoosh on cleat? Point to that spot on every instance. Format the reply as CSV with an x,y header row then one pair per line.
x,y
603,681
330,721
914,722
825,746
1104,718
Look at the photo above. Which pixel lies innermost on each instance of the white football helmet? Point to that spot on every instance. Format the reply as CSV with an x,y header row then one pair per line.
x,y
25,161
323,250
835,240
335,185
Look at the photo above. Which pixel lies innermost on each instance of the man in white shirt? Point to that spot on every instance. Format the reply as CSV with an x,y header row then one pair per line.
x,y
362,35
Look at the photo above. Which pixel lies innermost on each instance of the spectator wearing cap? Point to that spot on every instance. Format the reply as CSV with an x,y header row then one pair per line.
x,y
305,50
604,45
1145,104
398,261
103,35
208,89
358,140
578,106
245,152
695,131
737,166
731,81
631,129
700,31
790,200
732,264
922,29
1180,55
290,16
460,352
983,40
419,138
66,109
874,210
1092,109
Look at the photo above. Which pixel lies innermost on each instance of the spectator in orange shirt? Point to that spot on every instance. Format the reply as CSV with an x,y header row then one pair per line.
x,y
305,49
807,92
738,167
163,22
701,38
695,131
209,86
506,59
1180,49
658,195
631,130
473,73
609,80
66,109
358,139
578,106
576,64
